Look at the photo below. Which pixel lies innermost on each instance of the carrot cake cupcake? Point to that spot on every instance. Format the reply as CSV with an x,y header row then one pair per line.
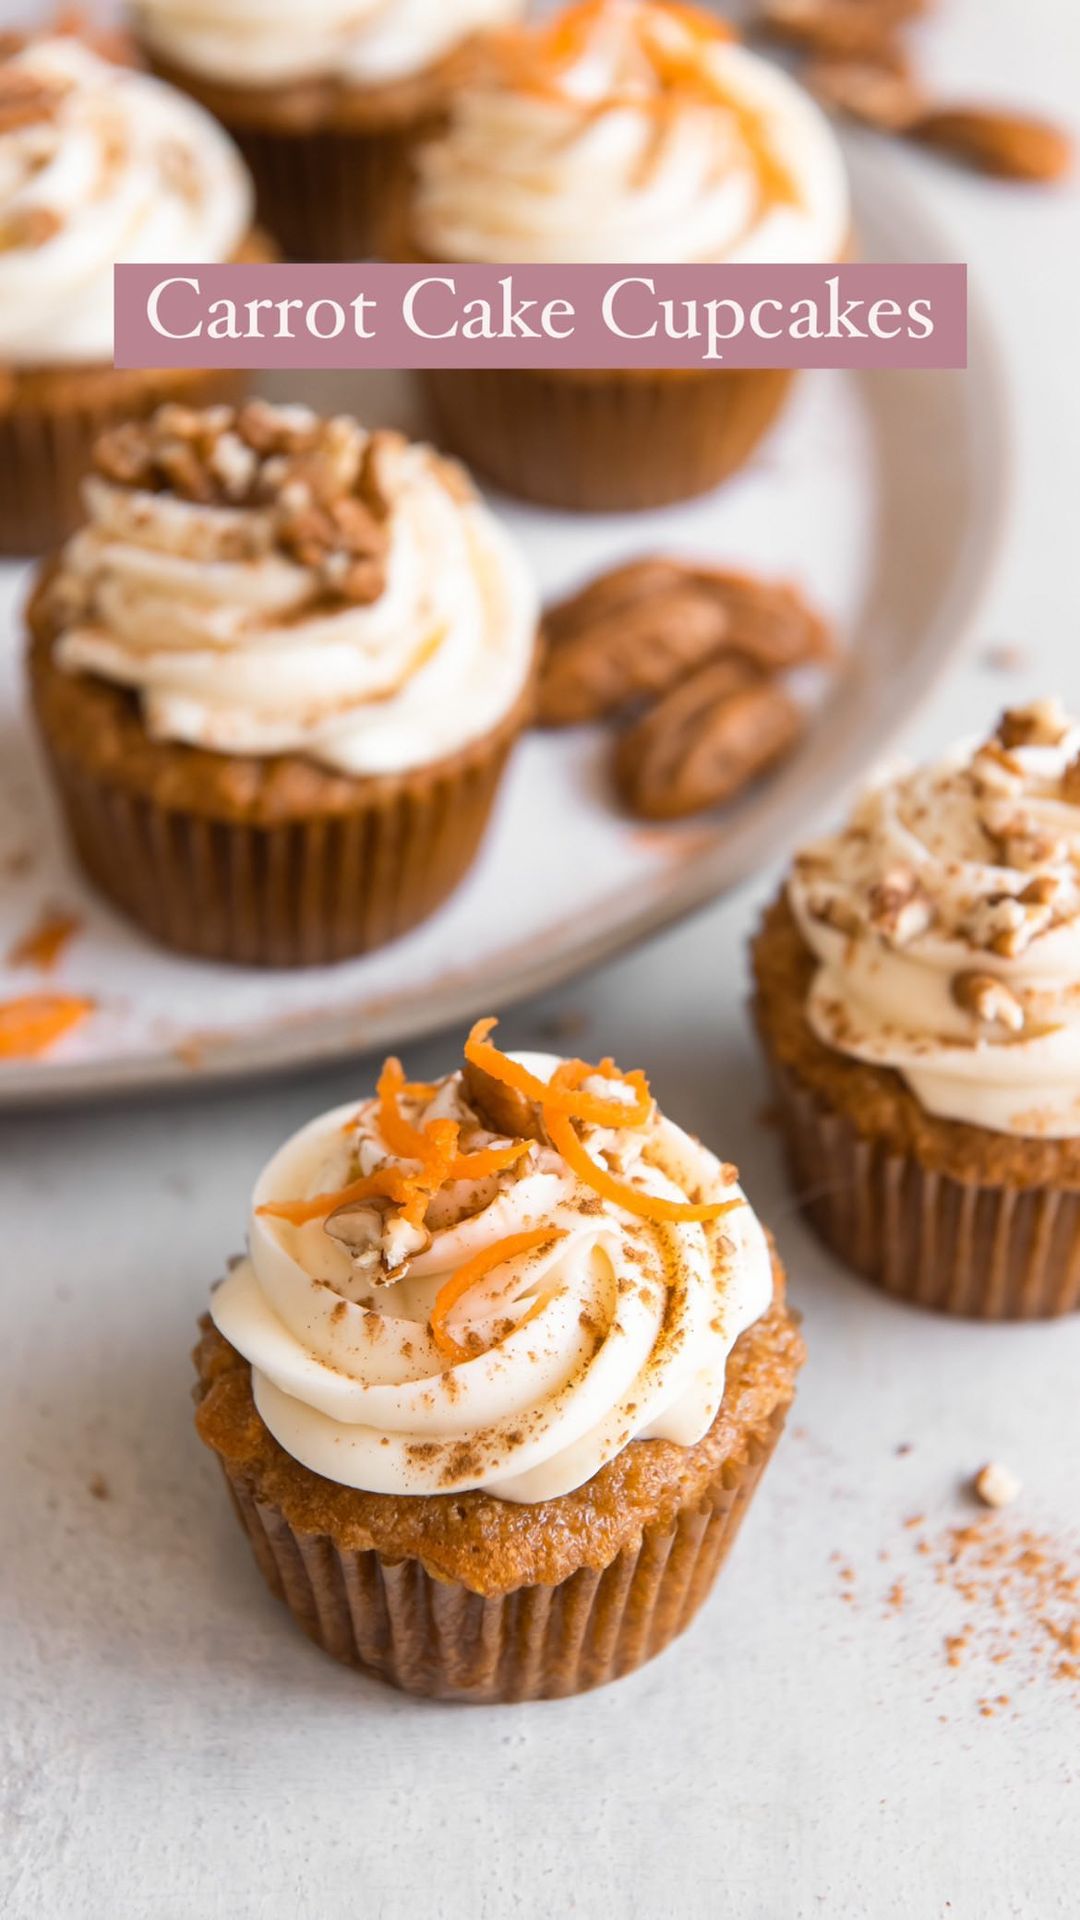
x,y
322,98
98,164
498,1376
277,675
627,131
918,995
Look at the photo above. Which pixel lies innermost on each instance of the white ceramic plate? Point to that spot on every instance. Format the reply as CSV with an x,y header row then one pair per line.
x,y
881,495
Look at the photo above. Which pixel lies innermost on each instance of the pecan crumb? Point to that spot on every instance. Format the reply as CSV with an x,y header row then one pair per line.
x,y
989,1000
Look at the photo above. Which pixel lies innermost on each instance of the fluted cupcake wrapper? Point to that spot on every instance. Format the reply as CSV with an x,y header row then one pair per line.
x,y
439,1639
986,1252
45,449
321,193
305,892
609,440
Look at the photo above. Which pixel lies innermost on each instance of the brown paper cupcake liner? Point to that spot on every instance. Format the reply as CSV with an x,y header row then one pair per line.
x,y
609,440
439,1639
983,1251
46,438
303,892
320,192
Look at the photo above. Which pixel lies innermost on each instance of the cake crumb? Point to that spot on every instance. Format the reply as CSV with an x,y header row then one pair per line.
x,y
996,1485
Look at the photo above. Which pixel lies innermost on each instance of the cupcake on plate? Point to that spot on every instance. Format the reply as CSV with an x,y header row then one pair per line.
x,y
626,131
918,995
277,675
322,99
98,164
498,1376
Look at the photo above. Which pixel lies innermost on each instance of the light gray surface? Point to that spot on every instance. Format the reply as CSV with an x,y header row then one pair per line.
x,y
173,1748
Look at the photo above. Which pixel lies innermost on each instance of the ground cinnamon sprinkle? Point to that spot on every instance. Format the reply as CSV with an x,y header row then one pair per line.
x,y
1018,1591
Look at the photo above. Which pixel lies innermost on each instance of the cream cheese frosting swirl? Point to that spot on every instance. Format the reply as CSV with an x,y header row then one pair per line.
x,y
99,164
254,43
945,919
604,1328
269,583
631,131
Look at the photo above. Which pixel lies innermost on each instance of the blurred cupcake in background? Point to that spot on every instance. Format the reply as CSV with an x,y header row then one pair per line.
x,y
625,131
918,995
321,98
98,164
277,675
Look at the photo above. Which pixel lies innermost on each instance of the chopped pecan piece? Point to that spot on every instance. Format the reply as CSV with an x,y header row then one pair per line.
x,y
1042,724
899,906
1011,145
27,97
705,741
1070,783
499,1108
29,227
844,28
989,1000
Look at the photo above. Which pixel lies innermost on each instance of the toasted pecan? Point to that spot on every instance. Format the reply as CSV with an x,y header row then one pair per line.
x,y
844,29
634,633
705,741
1013,146
502,1109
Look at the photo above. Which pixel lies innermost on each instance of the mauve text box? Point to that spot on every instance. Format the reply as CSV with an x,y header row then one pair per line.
x,y
374,315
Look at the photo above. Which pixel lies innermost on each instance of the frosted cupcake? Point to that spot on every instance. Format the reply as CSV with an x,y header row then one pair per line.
x,y
97,165
277,675
918,994
322,99
498,1376
627,131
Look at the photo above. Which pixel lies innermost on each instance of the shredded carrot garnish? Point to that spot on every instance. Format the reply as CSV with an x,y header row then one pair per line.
x,y
648,1206
473,1270
486,1161
46,942
33,1024
559,1094
400,1136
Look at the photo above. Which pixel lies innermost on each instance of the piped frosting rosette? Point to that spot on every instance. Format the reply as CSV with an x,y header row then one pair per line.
x,y
270,582
100,164
631,130
496,1281
945,919
273,42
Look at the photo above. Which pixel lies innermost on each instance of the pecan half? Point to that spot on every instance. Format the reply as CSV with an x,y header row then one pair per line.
x,y
879,92
705,741
1013,146
1042,724
636,631
845,28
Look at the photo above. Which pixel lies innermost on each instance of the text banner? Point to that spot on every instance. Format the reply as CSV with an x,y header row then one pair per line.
x,y
373,315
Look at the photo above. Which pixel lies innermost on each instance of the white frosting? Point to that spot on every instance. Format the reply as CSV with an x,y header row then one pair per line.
x,y
630,1326
604,162
124,169
974,834
196,608
271,42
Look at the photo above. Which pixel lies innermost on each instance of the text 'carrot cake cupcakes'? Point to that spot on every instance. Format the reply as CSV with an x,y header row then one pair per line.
x,y
277,675
918,994
98,164
498,1377
626,131
321,98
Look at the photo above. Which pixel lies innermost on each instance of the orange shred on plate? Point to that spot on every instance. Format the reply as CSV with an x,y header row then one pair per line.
x,y
31,1025
475,1269
648,1206
559,1094
44,944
